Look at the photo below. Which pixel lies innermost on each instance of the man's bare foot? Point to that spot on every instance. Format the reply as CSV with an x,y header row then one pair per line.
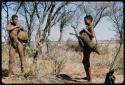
x,y
22,69
86,78
90,80
10,74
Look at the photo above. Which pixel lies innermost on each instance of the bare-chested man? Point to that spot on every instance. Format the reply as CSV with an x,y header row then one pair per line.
x,y
13,28
87,51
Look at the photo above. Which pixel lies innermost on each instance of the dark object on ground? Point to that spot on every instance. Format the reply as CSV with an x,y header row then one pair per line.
x,y
110,78
5,73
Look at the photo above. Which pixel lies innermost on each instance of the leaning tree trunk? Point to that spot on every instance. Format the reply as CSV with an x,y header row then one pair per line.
x,y
61,34
29,35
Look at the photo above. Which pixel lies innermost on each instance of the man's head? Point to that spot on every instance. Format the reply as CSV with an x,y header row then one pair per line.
x,y
88,19
15,18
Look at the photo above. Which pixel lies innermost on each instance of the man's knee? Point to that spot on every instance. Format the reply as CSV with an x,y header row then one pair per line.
x,y
20,45
86,63
11,61
11,55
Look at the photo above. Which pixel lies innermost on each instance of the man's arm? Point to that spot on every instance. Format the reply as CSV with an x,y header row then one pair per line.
x,y
10,27
92,33
20,27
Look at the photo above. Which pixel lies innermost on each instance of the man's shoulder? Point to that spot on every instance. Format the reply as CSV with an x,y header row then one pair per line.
x,y
9,22
91,28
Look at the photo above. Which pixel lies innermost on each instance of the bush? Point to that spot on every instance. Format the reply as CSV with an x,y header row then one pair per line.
x,y
29,51
58,66
30,71
70,44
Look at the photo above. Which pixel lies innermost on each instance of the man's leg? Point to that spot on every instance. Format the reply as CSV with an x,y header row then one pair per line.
x,y
86,63
11,59
21,55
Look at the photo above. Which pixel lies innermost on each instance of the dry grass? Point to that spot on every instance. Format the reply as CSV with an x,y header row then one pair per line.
x,y
63,58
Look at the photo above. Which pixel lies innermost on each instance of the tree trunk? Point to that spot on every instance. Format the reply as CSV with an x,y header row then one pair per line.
x,y
61,35
29,35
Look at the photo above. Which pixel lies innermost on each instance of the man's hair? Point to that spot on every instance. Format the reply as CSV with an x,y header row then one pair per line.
x,y
88,17
13,16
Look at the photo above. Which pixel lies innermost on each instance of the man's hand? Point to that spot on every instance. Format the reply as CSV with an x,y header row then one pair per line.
x,y
90,33
86,30
17,26
20,27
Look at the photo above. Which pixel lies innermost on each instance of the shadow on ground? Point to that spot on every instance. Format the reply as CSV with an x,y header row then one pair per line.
x,y
64,76
68,78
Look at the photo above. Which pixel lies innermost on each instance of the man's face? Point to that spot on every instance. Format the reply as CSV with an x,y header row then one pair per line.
x,y
15,20
88,21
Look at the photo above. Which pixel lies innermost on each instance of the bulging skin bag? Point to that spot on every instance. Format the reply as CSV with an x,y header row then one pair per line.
x,y
86,39
23,36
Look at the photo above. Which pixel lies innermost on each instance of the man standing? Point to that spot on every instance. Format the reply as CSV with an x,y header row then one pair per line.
x,y
13,29
87,50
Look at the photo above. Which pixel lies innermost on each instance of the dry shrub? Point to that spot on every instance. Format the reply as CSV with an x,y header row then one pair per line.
x,y
30,71
5,47
73,45
58,66
29,51
62,54
58,57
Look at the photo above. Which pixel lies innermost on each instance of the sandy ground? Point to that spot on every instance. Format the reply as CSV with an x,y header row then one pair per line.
x,y
71,72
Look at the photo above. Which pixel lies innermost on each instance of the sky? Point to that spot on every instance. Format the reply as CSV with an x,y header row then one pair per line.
x,y
103,29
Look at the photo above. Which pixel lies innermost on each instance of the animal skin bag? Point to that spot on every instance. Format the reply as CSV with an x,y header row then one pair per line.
x,y
23,36
86,39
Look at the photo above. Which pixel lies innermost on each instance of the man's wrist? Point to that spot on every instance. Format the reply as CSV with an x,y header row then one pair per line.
x,y
16,26
17,41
